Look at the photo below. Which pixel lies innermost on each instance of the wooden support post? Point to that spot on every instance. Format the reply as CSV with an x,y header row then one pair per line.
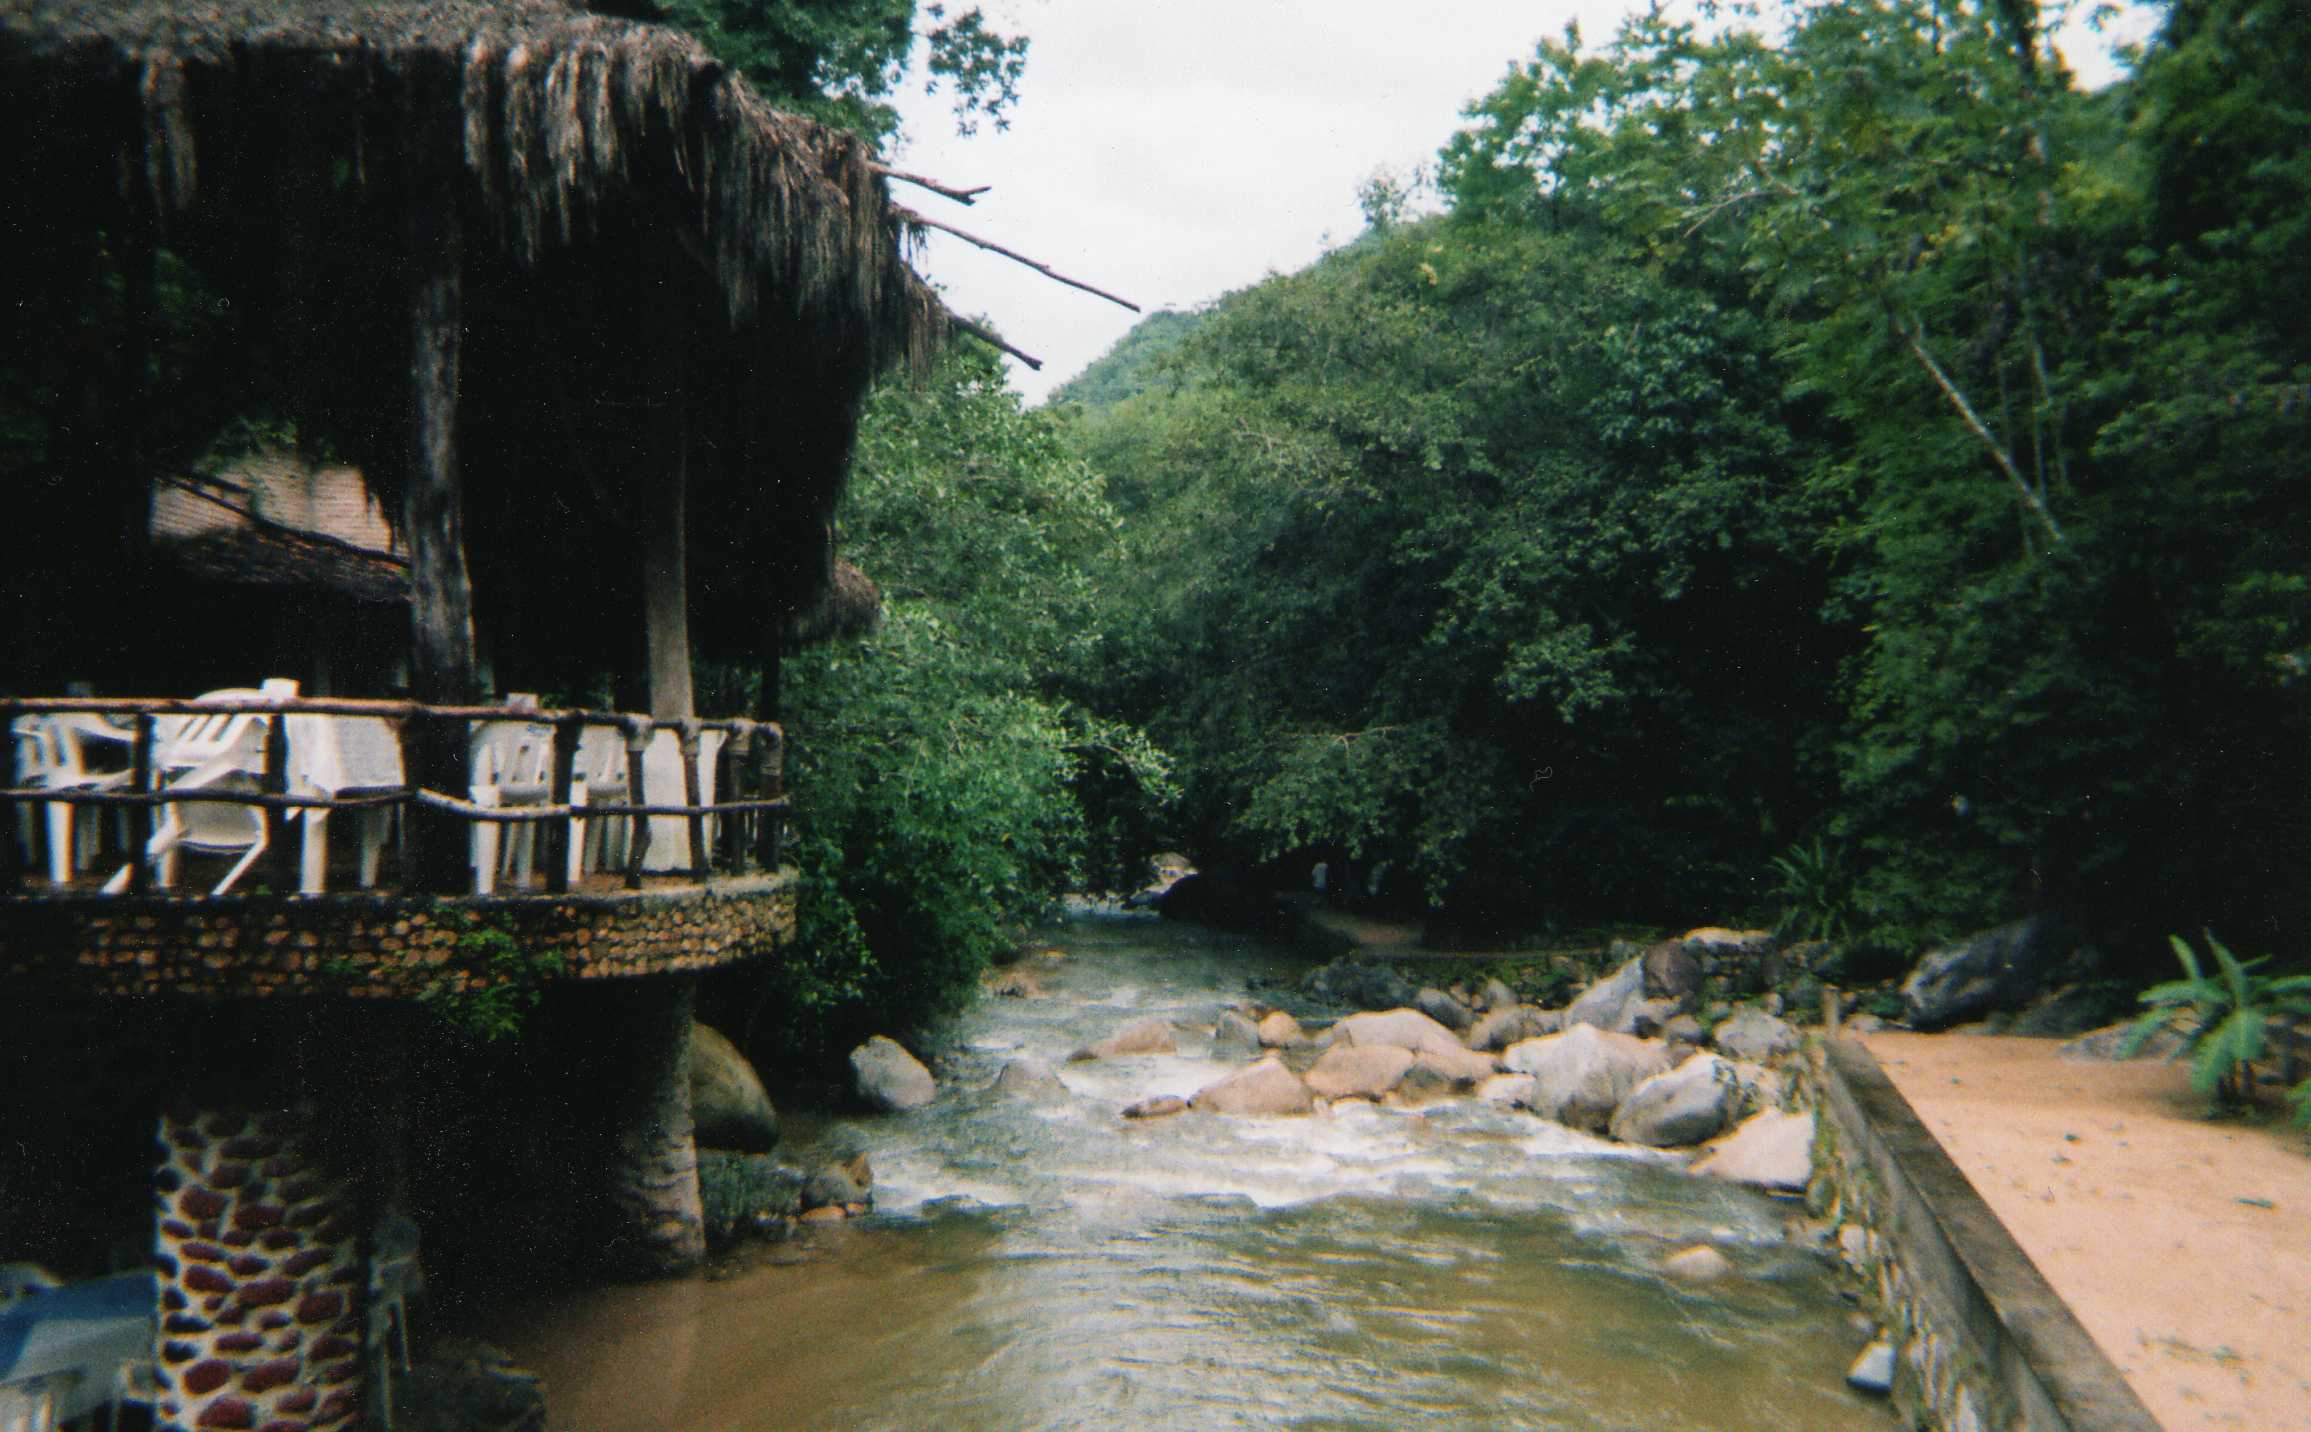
x,y
734,781
664,489
770,784
638,844
441,647
143,814
13,855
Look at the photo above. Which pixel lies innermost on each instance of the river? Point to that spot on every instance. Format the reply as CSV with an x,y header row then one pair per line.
x,y
1051,1265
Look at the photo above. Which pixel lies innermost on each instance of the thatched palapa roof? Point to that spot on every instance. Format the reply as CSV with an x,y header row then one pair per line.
x,y
657,266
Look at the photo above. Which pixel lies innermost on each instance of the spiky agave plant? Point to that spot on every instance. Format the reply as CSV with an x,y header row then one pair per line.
x,y
2224,1017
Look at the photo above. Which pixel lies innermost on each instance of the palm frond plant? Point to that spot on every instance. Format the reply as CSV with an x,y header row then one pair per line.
x,y
2224,1016
1816,892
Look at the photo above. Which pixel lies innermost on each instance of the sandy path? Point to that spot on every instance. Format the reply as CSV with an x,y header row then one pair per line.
x,y
2129,1203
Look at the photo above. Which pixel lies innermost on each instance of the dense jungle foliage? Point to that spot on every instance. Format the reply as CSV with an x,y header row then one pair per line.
x,y
1848,467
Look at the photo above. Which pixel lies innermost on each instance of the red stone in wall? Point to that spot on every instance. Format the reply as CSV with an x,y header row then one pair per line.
x,y
214,1204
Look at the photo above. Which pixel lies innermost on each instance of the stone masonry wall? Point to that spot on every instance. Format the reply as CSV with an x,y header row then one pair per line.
x,y
1983,1344
375,947
260,1276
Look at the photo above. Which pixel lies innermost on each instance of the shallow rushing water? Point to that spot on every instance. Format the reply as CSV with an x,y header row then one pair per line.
x,y
1053,1266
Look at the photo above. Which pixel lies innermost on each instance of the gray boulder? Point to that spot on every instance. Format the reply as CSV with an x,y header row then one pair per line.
x,y
1031,1081
2004,968
1611,1003
1444,1009
1873,1370
1142,1036
1278,1030
1511,1023
1426,1082
1582,1075
1263,1088
1684,1029
1756,1036
1404,1028
889,1078
1690,1104
839,1185
2105,1043
1514,1090
1495,995
1462,1066
1353,984
1235,1034
1769,1150
1156,1106
1673,971
1358,1071
727,1102
1698,1264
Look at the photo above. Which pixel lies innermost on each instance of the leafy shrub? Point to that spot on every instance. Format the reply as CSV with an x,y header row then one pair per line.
x,y
2224,1018
1816,893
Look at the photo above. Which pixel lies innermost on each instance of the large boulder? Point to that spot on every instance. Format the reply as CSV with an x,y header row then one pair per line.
x,y
2105,1043
1512,1023
1142,1036
1495,995
889,1078
1358,1071
1611,1003
459,1385
1673,971
1354,984
1263,1088
727,1102
1582,1075
1690,1104
1769,1150
1755,1036
1462,1066
1514,1090
1444,1009
1163,872
2004,968
1404,1028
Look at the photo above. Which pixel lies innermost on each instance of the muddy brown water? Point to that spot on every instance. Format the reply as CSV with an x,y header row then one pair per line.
x,y
1050,1265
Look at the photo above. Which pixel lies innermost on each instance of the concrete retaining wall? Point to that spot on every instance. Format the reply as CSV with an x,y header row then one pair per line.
x,y
1983,1343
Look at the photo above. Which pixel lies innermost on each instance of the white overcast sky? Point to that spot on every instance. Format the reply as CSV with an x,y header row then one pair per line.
x,y
1174,150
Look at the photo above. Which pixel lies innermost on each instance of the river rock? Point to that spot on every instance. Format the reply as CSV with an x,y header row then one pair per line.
x,y
1404,1028
1228,899
839,1185
1163,872
1016,984
1698,1264
1462,1066
1690,1104
1756,1036
1515,1090
1770,1150
1610,1003
1582,1075
890,1078
2105,1043
1142,1036
1352,1071
1278,1030
1673,971
1997,969
727,1103
1495,995
1648,1017
1358,985
1156,1107
1873,1371
1031,1081
1232,1033
1444,1009
1511,1023
1263,1088
1684,1031
1425,1083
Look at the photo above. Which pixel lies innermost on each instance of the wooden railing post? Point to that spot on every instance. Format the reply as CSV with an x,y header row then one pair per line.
x,y
554,842
638,734
13,855
142,815
279,866
734,764
770,784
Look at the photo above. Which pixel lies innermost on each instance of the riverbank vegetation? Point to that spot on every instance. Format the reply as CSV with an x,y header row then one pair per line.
x,y
1848,469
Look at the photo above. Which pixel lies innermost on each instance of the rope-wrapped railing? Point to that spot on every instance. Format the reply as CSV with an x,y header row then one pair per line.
x,y
747,766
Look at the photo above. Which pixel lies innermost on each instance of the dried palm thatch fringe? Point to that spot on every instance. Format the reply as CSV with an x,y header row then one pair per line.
x,y
559,116
850,605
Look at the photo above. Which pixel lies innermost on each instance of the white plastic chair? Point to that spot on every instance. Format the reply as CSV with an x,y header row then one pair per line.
x,y
52,753
513,764
329,755
600,775
220,751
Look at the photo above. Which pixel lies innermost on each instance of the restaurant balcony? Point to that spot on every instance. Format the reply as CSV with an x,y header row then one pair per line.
x,y
258,843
